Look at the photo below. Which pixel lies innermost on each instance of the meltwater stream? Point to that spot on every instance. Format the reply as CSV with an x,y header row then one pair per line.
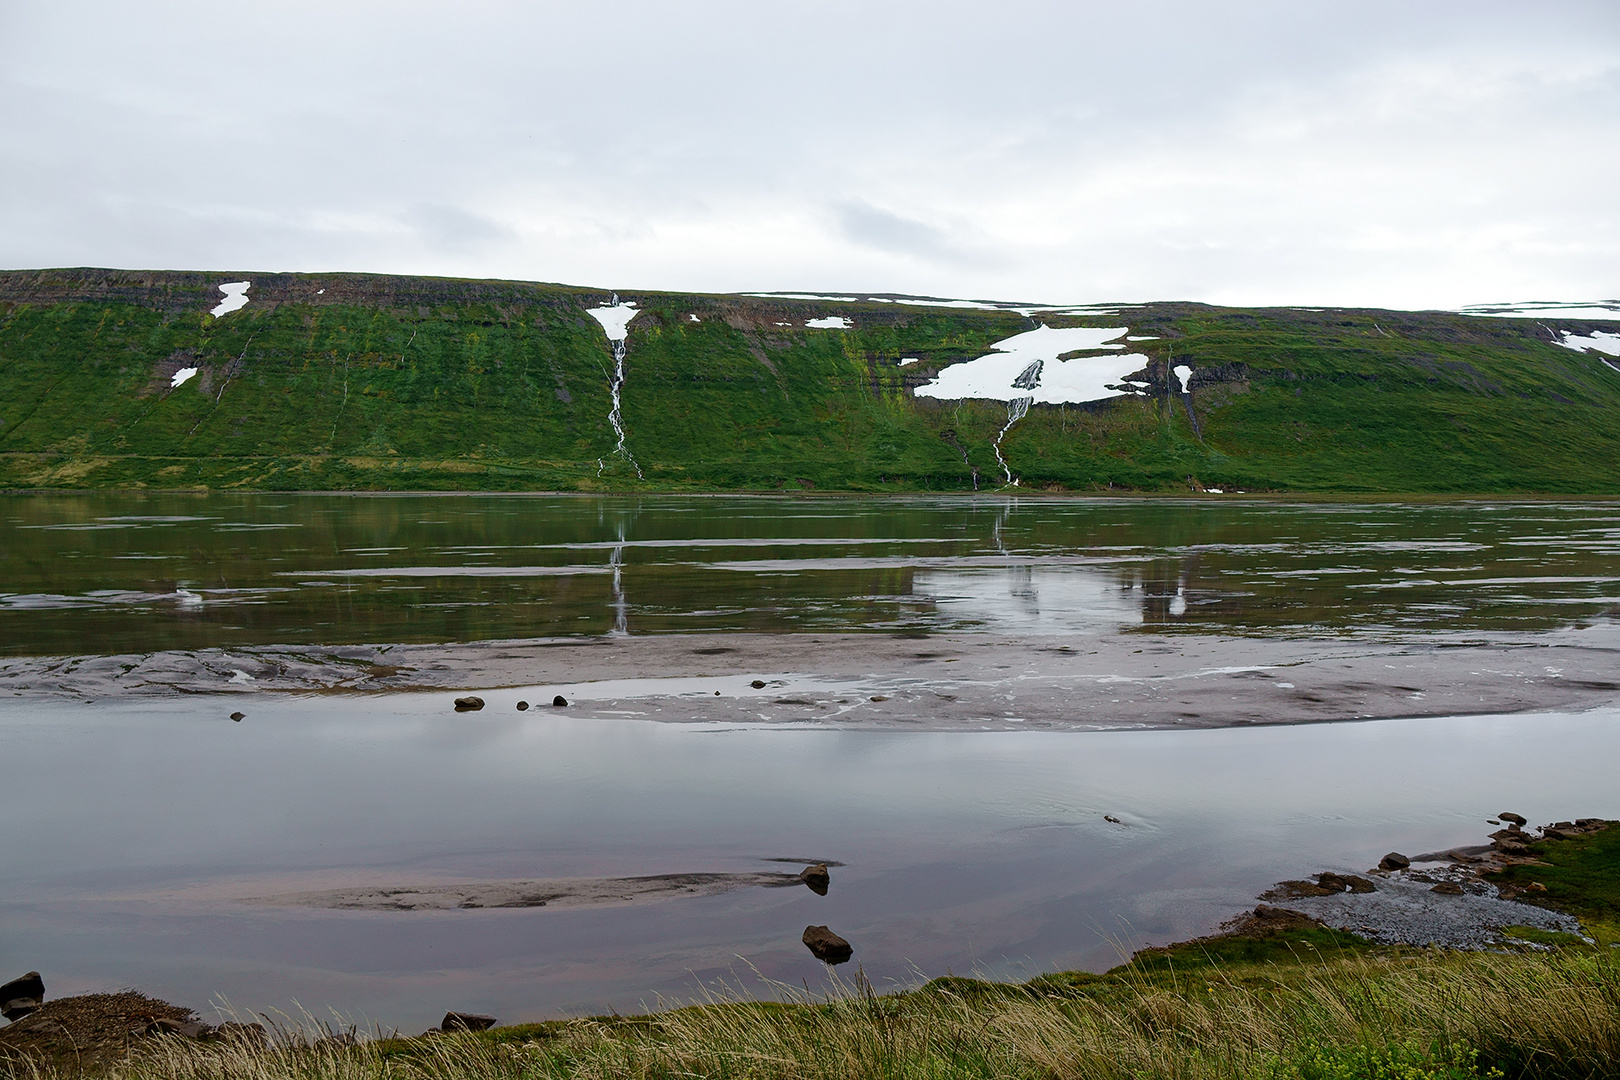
x,y
615,319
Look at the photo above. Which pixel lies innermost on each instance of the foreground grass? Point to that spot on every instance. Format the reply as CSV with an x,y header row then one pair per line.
x,y
1311,1016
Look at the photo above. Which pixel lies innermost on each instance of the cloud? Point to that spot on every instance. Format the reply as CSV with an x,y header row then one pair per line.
x,y
1255,151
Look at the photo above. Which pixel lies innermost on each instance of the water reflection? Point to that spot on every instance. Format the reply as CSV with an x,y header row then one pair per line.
x,y
86,574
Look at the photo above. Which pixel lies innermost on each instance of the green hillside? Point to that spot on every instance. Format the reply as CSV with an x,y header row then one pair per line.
x,y
365,382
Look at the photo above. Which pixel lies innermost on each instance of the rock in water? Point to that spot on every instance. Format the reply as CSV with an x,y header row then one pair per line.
x,y
1345,883
1394,861
238,716
826,946
469,704
457,1021
559,701
523,706
1517,819
758,684
19,997
817,878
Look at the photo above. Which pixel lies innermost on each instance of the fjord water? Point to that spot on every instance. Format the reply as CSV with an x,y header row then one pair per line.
x,y
100,574
137,832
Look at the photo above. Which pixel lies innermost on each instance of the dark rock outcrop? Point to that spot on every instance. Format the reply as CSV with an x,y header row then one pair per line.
x,y
559,701
459,1021
469,704
1517,819
1345,882
19,997
1394,861
817,878
826,946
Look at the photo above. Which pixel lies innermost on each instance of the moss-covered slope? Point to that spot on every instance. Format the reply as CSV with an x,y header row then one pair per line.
x,y
345,381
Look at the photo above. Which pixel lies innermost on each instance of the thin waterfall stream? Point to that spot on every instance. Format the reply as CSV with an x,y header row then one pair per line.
x,y
615,319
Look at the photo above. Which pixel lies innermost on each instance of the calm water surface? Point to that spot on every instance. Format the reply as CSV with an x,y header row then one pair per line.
x,y
100,574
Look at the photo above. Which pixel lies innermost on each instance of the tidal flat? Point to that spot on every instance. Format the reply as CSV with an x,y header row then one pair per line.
x,y
1025,734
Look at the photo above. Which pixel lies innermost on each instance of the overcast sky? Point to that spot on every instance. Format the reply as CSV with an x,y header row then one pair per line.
x,y
1409,154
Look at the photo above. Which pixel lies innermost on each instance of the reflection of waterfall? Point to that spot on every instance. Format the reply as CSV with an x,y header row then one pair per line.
x,y
615,319
1016,410
620,608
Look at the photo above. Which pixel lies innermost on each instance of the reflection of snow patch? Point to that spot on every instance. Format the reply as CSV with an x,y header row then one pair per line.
x,y
1029,599
1597,341
904,360
1184,375
181,376
1085,378
235,297
831,322
1178,604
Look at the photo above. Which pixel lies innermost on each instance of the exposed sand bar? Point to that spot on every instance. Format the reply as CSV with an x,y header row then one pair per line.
x,y
558,892
945,682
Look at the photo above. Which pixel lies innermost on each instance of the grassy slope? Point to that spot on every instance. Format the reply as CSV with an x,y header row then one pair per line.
x,y
391,383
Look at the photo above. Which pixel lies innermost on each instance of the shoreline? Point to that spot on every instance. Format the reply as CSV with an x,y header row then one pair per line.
x,y
875,681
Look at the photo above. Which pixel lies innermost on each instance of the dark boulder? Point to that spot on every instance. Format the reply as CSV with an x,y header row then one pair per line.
x,y
1394,861
238,716
469,704
559,701
19,997
1517,819
186,1029
523,706
758,684
817,878
459,1021
826,946
1508,847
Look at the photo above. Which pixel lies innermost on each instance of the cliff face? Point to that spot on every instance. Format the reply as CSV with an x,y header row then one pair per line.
x,y
113,378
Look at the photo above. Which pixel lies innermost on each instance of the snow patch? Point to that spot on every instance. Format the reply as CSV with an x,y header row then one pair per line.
x,y
1597,341
904,360
1011,372
615,318
235,298
1184,376
831,322
1546,309
693,318
181,376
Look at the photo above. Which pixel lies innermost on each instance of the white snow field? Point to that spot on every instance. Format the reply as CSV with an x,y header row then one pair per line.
x,y
235,298
615,318
1597,341
181,376
831,322
904,360
1184,375
1547,309
1055,381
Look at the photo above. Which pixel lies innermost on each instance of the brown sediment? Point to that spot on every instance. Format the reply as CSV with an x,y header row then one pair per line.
x,y
555,892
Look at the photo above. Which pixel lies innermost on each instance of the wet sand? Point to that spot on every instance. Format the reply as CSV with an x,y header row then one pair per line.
x,y
937,682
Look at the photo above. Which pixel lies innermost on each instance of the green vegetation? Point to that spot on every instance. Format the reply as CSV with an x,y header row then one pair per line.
x,y
1410,1015
1580,875
356,382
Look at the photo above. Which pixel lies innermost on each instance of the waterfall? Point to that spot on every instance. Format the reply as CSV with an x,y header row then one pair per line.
x,y
615,319
1016,410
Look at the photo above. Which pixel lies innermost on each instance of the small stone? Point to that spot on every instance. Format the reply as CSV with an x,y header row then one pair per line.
x,y
1535,886
1345,883
817,878
559,701
758,684
826,946
1448,888
523,706
1517,819
457,1021
1394,861
238,716
469,704
878,697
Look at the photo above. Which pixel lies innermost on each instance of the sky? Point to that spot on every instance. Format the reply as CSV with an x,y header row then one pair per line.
x,y
1410,154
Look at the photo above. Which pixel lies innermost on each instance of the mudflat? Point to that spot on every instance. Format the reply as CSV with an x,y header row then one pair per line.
x,y
932,682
